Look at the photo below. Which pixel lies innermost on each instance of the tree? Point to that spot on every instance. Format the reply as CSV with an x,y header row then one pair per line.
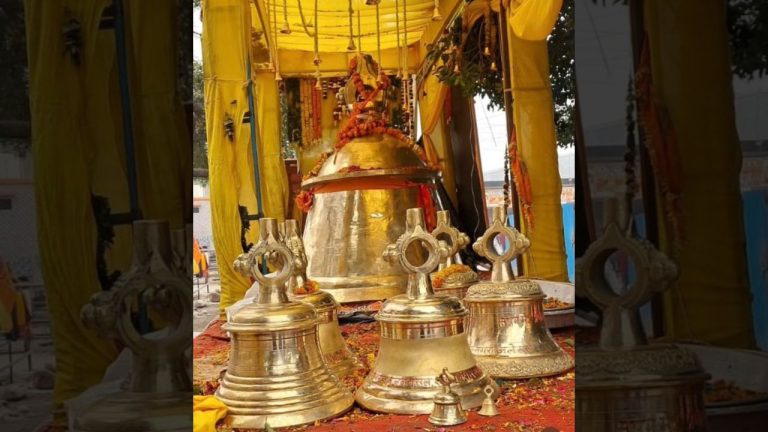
x,y
200,149
562,76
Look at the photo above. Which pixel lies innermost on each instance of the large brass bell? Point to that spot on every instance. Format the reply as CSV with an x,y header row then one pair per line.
x,y
507,331
625,383
338,357
158,394
452,277
361,194
421,333
277,373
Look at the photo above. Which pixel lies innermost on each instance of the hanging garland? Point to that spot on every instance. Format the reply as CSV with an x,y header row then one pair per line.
x,y
522,181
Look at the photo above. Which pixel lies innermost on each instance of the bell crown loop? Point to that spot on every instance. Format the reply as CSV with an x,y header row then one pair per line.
x,y
419,285
621,327
519,244
443,229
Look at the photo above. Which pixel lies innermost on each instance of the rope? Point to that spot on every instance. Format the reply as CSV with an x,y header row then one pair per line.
x,y
304,21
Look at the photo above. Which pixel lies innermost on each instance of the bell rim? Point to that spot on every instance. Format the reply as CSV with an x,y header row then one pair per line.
x,y
412,173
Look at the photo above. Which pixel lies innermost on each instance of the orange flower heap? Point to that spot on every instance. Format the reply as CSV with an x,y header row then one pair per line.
x,y
439,278
309,287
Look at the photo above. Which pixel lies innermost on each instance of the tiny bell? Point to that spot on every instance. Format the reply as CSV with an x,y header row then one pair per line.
x,y
489,407
493,67
487,51
447,410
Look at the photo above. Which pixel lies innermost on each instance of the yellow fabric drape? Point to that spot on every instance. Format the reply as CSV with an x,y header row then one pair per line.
x,y
230,160
537,146
699,100
437,142
63,145
274,184
533,20
77,136
206,412
224,57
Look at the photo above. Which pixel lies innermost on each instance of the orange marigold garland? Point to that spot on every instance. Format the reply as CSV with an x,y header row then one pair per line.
x,y
439,278
522,181
304,200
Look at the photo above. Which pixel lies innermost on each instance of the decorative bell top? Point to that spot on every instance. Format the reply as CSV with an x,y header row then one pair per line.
x,y
271,309
517,245
451,272
623,352
419,303
158,364
502,282
456,240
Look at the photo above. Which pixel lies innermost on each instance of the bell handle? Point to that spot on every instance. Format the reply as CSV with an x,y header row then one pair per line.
x,y
273,249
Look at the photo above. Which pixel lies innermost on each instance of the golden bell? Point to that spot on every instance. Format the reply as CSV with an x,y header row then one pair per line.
x,y
361,195
338,357
507,331
436,15
447,410
158,393
277,373
625,382
421,333
489,406
452,277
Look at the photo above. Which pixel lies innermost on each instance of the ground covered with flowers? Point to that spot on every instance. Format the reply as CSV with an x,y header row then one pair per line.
x,y
539,404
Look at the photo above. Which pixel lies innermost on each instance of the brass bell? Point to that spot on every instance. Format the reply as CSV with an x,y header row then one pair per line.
x,y
277,373
452,277
436,16
625,381
447,410
361,195
489,406
507,331
338,357
158,393
420,334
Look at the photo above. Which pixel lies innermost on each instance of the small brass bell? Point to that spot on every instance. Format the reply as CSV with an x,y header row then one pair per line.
x,y
626,382
507,331
158,393
494,68
286,29
420,332
452,277
277,373
489,406
436,16
338,357
447,410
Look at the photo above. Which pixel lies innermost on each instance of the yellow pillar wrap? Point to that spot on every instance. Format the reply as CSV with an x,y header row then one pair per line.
x,y
537,147
274,179
436,141
692,78
63,146
224,68
163,143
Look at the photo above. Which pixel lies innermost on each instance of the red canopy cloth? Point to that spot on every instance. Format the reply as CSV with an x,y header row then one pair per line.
x,y
525,405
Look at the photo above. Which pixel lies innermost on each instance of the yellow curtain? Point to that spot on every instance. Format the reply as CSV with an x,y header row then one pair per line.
x,y
274,183
437,142
224,68
533,20
230,159
537,146
694,85
163,143
65,136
